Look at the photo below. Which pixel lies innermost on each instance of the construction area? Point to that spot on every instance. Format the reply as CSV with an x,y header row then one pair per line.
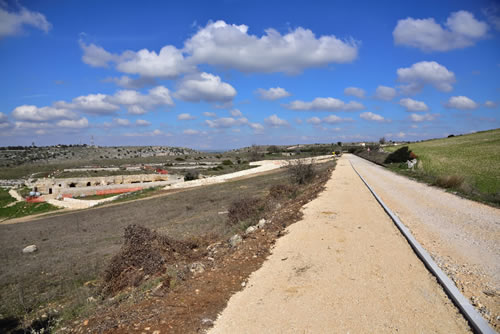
x,y
216,253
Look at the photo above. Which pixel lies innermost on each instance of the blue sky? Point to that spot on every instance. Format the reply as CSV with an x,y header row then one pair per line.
x,y
227,74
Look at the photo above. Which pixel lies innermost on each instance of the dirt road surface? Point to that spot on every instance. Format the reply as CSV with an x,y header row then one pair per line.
x,y
462,236
343,268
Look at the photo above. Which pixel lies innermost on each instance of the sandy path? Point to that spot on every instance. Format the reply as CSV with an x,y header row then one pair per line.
x,y
263,166
462,236
16,195
343,268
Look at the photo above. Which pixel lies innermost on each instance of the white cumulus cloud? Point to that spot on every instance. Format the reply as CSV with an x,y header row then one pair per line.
x,y
257,127
153,133
92,104
369,116
209,114
168,63
413,105
236,113
273,93
4,121
230,46
385,93
325,103
74,124
136,110
461,103
12,23
137,103
127,82
490,104
204,87
423,117
191,132
142,122
275,121
95,55
226,122
333,119
400,134
460,30
423,73
314,120
121,121
355,91
32,113
185,117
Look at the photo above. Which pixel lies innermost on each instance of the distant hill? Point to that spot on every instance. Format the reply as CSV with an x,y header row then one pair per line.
x,y
18,155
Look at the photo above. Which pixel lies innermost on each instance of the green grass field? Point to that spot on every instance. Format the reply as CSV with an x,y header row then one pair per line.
x,y
22,209
475,157
5,198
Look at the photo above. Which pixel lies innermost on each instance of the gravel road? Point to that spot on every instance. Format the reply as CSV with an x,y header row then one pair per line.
x,y
462,236
343,268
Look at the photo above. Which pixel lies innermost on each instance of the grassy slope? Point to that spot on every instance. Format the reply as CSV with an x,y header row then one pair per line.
x,y
22,209
5,198
475,157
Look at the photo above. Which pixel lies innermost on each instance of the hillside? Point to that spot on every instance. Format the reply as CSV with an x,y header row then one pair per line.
x,y
19,155
474,157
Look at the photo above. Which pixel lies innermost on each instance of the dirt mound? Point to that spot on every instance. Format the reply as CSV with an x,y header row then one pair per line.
x,y
144,252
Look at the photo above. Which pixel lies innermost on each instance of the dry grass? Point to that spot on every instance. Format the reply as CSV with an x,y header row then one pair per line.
x,y
280,191
449,181
474,157
244,209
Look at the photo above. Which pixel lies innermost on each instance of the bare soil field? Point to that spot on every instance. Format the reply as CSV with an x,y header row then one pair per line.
x,y
75,248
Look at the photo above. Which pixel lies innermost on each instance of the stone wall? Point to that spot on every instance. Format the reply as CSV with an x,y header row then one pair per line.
x,y
54,186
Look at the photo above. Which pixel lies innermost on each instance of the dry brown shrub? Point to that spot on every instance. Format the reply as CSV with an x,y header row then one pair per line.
x,y
244,209
301,172
282,191
144,252
449,181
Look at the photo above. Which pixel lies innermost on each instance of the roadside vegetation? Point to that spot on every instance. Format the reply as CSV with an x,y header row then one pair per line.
x,y
95,197
146,192
22,209
5,198
82,269
465,164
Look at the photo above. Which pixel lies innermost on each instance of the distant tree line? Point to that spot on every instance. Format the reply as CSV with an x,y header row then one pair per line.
x,y
21,148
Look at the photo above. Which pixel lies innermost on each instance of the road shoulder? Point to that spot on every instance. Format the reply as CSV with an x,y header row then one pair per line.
x,y
344,267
